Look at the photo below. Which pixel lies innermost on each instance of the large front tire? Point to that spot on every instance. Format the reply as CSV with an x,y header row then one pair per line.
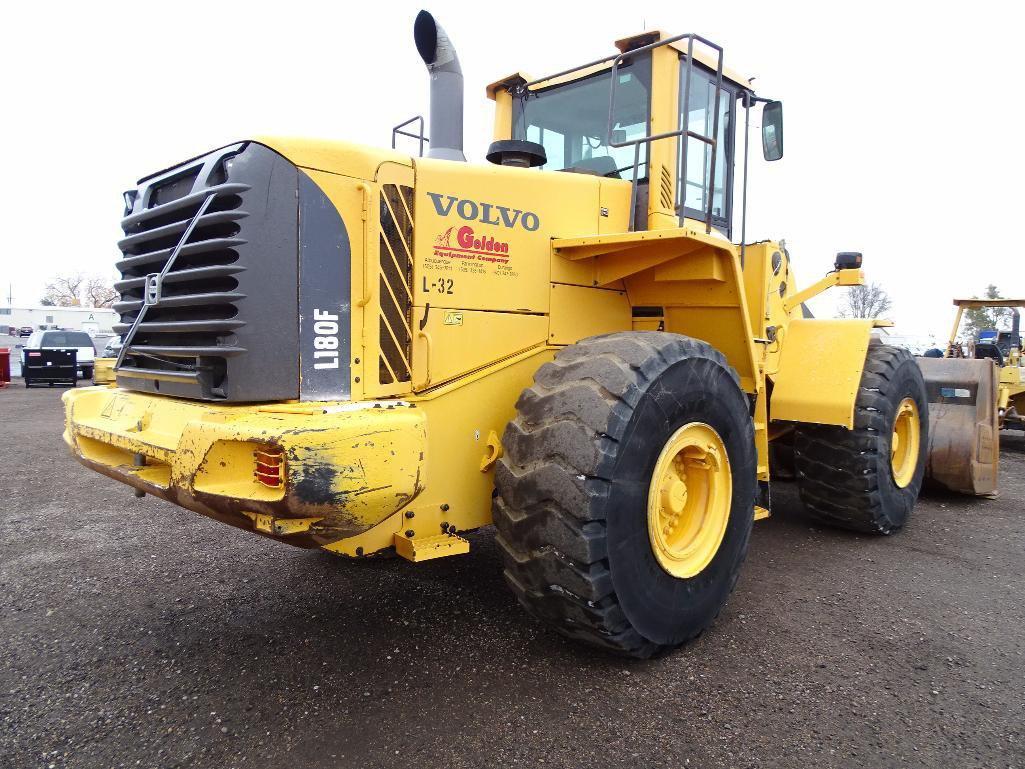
x,y
578,511
867,479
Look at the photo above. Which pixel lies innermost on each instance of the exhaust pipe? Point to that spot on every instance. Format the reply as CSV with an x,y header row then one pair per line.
x,y
446,118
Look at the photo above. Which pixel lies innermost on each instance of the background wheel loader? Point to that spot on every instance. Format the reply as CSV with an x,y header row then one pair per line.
x,y
348,348
975,390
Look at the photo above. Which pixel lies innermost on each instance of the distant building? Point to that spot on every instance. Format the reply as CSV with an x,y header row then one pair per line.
x,y
93,320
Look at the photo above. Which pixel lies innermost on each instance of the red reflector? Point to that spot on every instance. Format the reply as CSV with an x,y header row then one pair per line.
x,y
35,355
269,466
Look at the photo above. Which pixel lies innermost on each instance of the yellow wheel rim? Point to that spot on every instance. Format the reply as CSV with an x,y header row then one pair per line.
x,y
689,500
904,444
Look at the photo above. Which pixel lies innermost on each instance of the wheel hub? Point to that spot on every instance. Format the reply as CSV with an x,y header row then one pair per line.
x,y
689,500
905,442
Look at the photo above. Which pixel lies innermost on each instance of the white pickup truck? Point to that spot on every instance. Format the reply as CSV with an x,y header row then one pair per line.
x,y
64,340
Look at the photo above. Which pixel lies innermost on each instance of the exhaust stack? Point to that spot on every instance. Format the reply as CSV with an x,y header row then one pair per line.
x,y
446,119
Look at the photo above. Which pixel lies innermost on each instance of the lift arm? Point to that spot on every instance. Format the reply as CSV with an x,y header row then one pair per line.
x,y
852,277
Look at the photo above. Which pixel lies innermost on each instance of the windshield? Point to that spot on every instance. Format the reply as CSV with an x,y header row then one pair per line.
x,y
66,339
571,121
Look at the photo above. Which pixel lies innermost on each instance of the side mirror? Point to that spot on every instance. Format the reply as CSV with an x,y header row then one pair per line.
x,y
772,130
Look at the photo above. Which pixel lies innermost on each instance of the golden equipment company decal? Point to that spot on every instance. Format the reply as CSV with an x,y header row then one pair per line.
x,y
464,243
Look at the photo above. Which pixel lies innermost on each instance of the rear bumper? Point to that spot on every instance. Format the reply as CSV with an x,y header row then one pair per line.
x,y
344,467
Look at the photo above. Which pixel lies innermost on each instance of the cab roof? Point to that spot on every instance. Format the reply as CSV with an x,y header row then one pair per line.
x,y
702,54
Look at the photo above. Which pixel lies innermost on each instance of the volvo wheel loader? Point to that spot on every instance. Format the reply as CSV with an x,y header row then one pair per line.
x,y
976,389
355,349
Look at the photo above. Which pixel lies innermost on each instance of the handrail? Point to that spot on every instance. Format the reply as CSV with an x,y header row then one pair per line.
x,y
397,131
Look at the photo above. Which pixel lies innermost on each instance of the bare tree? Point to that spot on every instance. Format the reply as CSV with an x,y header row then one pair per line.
x,y
65,290
100,293
77,290
869,301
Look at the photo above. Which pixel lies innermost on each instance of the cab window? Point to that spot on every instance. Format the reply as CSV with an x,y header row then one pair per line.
x,y
66,339
571,121
700,119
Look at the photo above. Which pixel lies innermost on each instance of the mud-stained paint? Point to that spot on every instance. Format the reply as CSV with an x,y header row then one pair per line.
x,y
315,484
299,431
360,492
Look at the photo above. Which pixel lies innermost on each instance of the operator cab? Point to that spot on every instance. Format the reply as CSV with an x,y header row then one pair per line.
x,y
623,128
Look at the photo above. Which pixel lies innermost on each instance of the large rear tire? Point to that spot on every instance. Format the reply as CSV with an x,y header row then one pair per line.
x,y
867,479
599,536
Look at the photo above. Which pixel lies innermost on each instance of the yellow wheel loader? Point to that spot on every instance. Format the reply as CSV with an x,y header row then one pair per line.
x,y
353,349
976,388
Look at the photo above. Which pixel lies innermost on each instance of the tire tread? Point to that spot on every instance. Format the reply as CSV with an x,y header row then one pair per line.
x,y
837,469
556,472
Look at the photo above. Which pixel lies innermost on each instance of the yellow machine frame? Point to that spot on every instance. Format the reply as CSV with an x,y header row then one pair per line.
x,y
407,462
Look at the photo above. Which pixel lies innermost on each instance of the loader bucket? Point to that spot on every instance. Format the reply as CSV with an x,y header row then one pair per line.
x,y
964,448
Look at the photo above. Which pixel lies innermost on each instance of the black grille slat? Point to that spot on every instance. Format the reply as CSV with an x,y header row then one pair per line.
x,y
186,300
185,352
160,256
189,201
181,326
173,231
181,276
136,372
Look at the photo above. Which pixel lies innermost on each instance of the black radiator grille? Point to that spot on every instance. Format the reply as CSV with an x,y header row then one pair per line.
x,y
190,333
216,254
219,319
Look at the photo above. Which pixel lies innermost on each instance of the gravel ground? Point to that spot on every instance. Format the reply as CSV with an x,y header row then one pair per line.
x,y
138,634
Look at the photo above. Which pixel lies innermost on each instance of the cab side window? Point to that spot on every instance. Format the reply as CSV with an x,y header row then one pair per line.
x,y
700,118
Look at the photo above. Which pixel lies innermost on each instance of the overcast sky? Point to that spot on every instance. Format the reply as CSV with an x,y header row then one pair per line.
x,y
903,120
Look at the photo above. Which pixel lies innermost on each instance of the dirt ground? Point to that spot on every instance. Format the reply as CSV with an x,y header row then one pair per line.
x,y
138,634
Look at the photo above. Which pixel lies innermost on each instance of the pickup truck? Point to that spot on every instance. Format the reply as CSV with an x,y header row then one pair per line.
x,y
65,340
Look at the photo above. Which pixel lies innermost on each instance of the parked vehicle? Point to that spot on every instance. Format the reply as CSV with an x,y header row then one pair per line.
x,y
25,331
50,366
63,340
113,347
